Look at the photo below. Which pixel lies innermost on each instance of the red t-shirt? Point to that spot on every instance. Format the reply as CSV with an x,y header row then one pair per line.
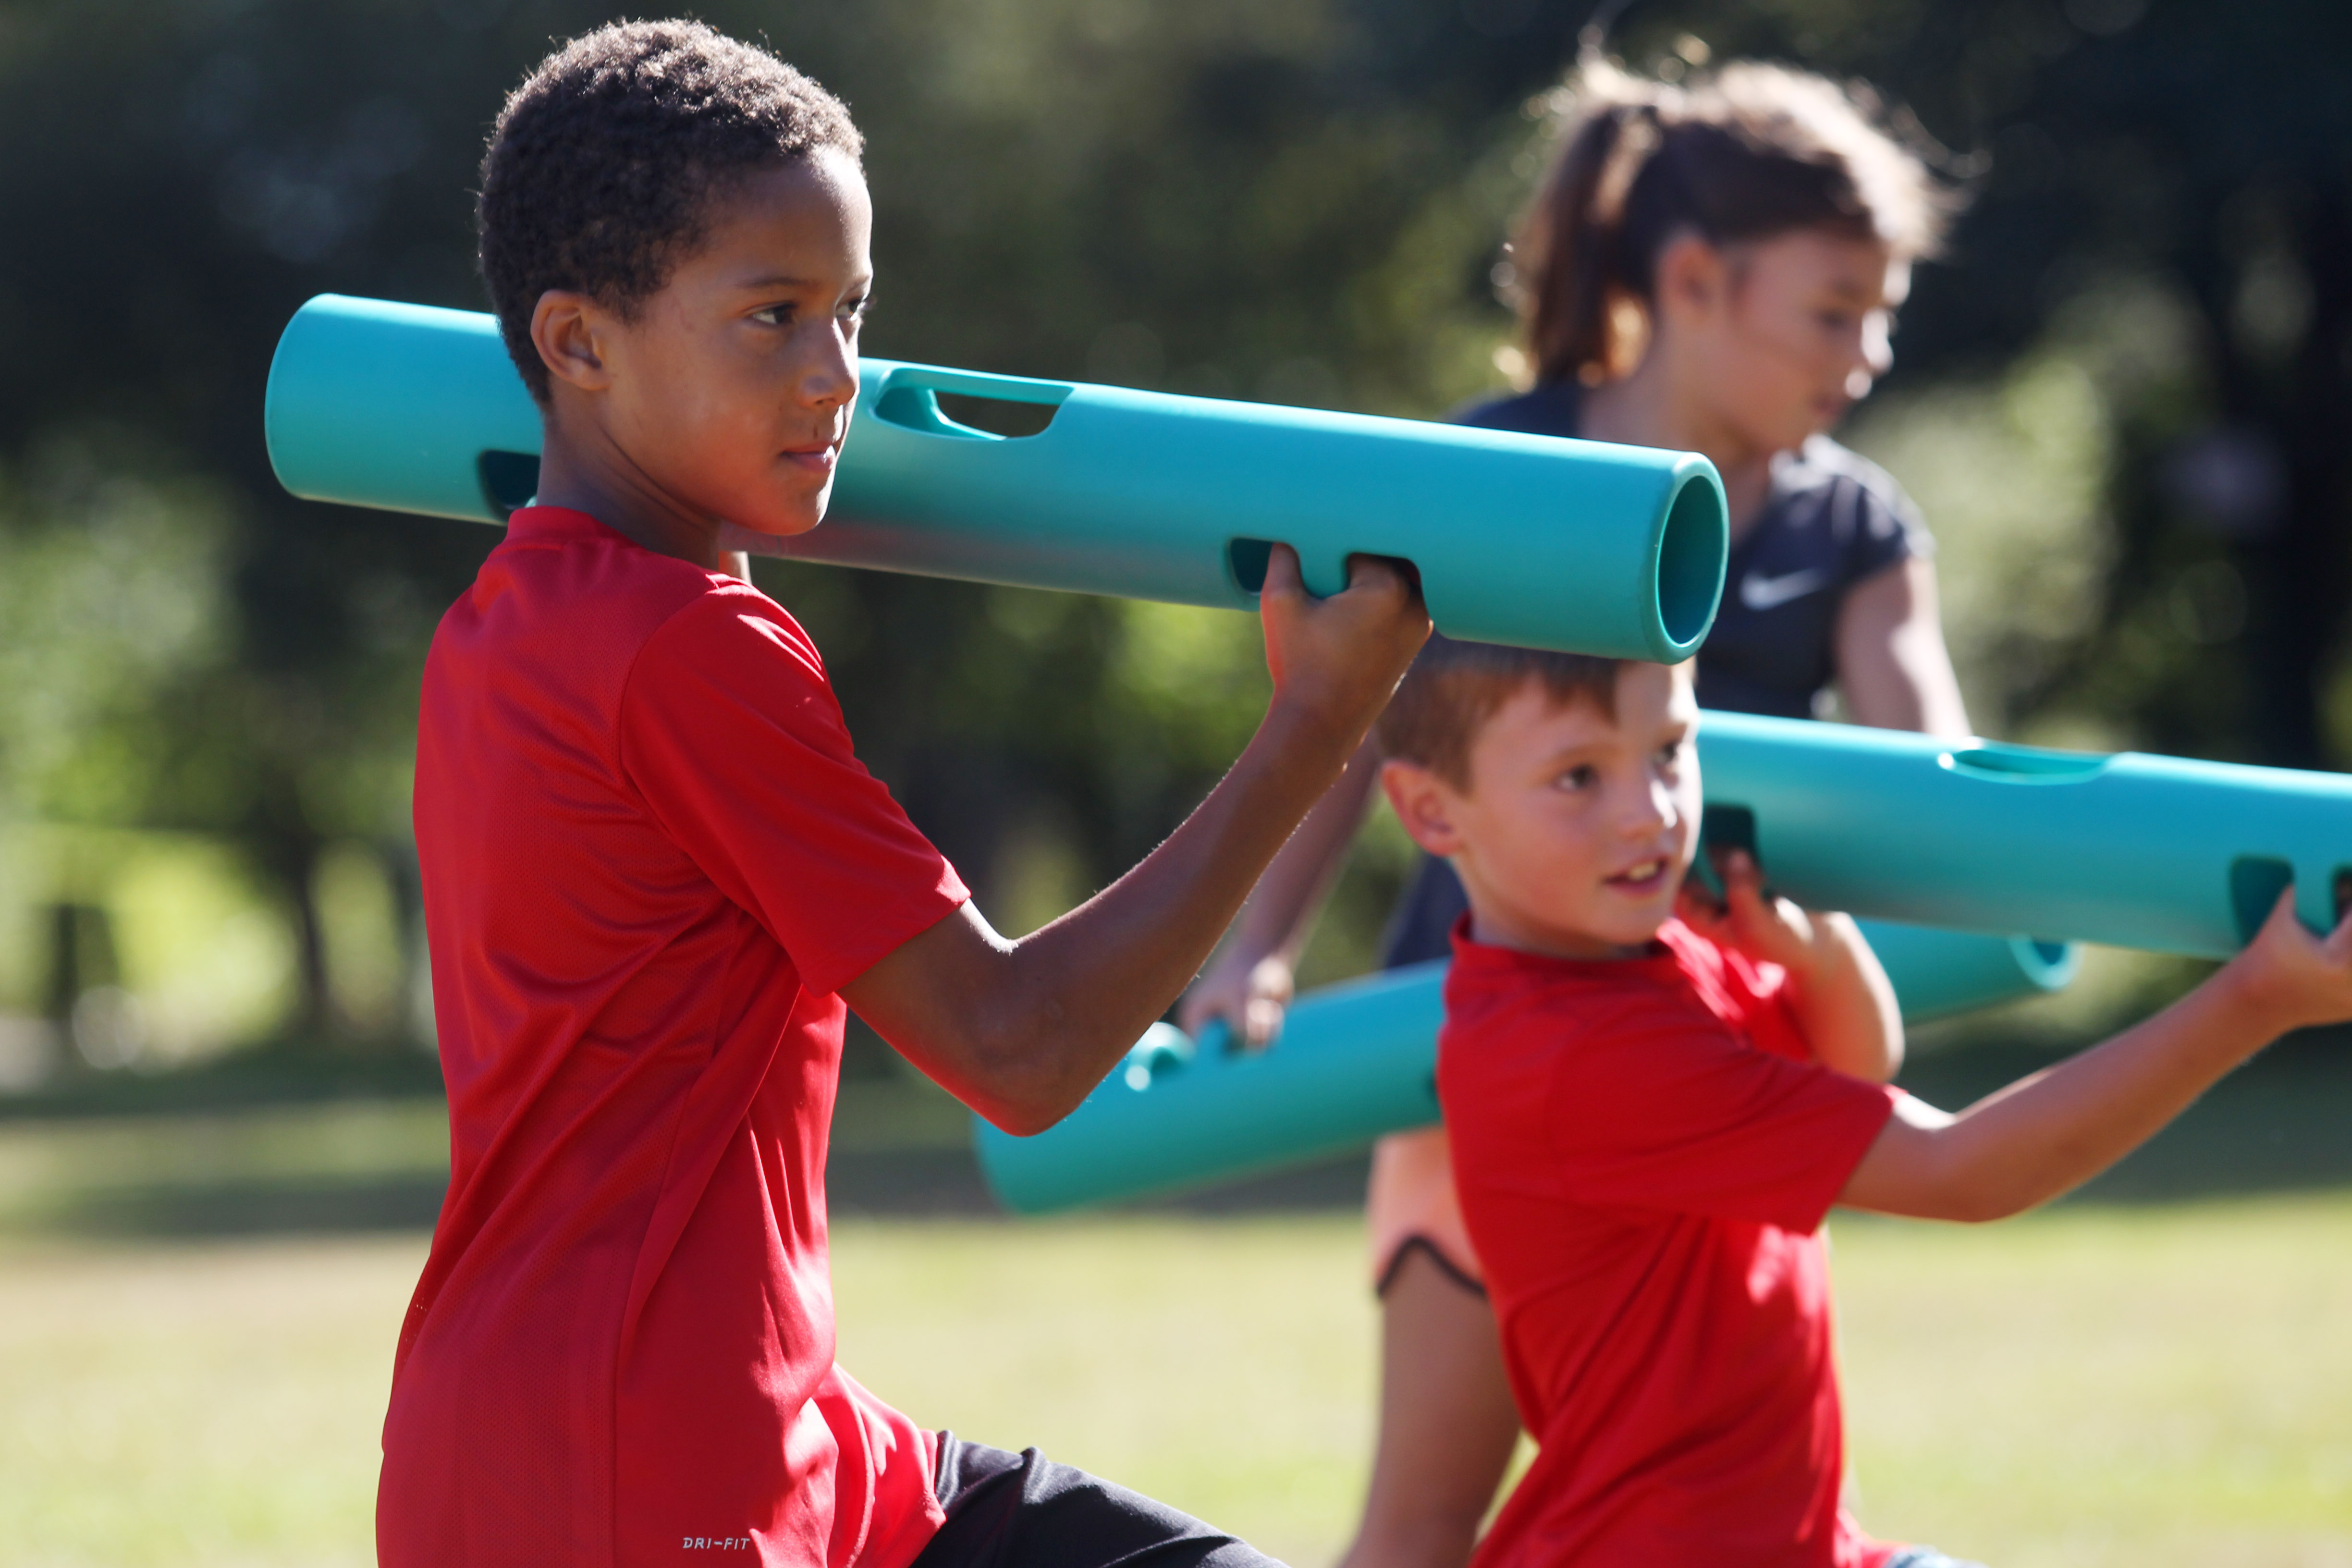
x,y
650,859
1644,1152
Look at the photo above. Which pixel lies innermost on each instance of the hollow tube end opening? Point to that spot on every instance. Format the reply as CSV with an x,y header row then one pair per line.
x,y
2049,964
1692,549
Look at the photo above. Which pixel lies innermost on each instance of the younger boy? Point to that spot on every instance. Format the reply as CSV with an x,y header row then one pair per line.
x,y
1654,1104
653,870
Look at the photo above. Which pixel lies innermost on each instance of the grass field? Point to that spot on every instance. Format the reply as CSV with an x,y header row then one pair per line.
x,y
2096,1386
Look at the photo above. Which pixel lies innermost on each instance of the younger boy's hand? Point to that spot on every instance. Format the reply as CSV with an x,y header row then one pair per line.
x,y
1845,1005
2289,979
1771,930
1336,662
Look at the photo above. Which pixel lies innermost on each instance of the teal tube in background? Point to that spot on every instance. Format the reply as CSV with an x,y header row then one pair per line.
x,y
1941,973
1359,1060
1526,540
2157,853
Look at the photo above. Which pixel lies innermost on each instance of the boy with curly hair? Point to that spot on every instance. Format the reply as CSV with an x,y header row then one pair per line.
x,y
1654,1100
654,871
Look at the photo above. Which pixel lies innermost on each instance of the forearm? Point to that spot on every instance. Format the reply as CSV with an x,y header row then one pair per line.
x,y
1894,668
1845,1005
1021,1030
1028,1027
1280,913
2049,1133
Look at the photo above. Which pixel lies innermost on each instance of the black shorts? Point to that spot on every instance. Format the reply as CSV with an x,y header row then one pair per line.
x,y
1022,1510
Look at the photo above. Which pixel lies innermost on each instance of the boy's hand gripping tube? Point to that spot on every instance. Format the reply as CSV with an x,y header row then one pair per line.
x,y
1617,550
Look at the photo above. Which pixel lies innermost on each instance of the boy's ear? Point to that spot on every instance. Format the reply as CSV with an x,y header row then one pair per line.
x,y
568,330
1423,804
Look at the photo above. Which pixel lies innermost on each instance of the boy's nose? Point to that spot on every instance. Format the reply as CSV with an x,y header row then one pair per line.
x,y
1875,356
830,375
1650,809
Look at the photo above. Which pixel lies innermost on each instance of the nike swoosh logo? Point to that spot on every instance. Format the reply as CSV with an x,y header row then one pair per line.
x,y
1760,592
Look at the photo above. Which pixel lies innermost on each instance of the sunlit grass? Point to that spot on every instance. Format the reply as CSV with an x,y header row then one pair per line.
x,y
2100,1385
2094,1386
165,1403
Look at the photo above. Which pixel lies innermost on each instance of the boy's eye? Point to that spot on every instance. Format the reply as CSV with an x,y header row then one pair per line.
x,y
1838,320
774,315
854,310
1581,777
1670,755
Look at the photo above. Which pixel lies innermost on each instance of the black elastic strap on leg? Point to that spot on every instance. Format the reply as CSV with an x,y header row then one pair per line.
x,y
1446,1266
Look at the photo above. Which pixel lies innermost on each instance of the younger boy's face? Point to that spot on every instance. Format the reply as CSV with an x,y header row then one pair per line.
x,y
728,393
1575,829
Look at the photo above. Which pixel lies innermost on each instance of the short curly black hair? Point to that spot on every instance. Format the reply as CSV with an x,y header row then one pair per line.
x,y
602,163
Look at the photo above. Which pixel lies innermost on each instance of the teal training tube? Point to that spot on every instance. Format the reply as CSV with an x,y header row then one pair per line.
x,y
1359,1060
1526,540
2157,853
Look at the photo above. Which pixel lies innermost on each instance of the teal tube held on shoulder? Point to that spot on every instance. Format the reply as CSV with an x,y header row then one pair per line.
x,y
1359,1060
2157,853
1354,1061
1527,540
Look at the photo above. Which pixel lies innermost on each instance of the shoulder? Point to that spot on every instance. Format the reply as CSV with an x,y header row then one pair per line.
x,y
561,613
1547,410
1730,984
734,622
731,658
1836,490
1518,1019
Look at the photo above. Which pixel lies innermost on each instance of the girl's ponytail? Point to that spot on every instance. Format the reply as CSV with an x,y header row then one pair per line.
x,y
1567,257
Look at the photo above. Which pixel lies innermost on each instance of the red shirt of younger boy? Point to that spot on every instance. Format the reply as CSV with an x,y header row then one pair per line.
x,y
1646,1150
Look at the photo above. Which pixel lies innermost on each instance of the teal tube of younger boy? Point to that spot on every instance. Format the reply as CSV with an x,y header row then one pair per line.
x,y
2163,854
1526,539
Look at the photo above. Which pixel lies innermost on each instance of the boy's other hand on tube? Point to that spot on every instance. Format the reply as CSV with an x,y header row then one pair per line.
x,y
1336,662
2288,978
1768,929
1250,997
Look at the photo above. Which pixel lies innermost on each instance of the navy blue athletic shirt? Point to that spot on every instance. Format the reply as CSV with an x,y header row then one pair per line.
x,y
1831,520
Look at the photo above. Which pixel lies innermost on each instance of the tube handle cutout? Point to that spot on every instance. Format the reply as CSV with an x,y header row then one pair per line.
x,y
909,398
2023,764
510,481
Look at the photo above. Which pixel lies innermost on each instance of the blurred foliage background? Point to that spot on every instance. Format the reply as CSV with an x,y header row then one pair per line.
x,y
2121,400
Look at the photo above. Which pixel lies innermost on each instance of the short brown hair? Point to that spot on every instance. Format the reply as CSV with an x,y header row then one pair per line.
x,y
1454,688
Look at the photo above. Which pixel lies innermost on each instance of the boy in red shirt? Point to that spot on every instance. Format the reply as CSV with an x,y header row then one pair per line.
x,y
654,871
1654,1100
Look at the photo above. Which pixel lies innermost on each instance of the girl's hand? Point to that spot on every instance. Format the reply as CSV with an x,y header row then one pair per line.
x,y
2289,979
1250,997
